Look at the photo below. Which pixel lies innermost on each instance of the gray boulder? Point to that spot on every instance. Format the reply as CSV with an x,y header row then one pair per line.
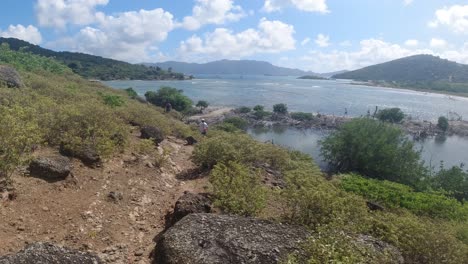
x,y
190,203
10,77
210,238
88,155
45,253
380,249
151,132
50,168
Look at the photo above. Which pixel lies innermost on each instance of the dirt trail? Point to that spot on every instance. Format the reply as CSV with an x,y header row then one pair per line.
x,y
79,214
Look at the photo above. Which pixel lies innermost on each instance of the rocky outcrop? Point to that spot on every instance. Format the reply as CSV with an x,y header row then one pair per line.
x,y
190,203
88,155
151,132
381,249
10,77
50,168
46,253
210,238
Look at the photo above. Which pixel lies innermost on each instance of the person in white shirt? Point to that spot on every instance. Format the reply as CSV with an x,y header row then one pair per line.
x,y
203,127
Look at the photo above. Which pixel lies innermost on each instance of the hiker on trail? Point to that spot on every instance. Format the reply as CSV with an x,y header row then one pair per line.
x,y
203,127
168,107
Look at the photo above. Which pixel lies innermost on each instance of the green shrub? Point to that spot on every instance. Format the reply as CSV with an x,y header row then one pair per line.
x,y
202,104
259,115
178,101
443,123
259,108
374,149
280,109
454,181
131,93
237,189
395,195
243,110
113,100
392,115
238,122
301,116
227,127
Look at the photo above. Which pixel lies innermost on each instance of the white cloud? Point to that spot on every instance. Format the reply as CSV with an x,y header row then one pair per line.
x,y
59,13
346,43
407,2
304,5
305,41
322,41
412,43
454,17
29,33
438,43
129,36
270,37
213,12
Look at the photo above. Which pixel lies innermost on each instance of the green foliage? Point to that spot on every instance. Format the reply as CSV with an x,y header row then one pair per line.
x,y
301,116
131,93
395,195
443,123
19,131
113,100
178,101
243,110
259,115
147,148
280,109
237,189
202,104
454,181
259,108
373,149
238,122
392,115
227,127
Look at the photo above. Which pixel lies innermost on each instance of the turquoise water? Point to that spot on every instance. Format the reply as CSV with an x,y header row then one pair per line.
x,y
323,96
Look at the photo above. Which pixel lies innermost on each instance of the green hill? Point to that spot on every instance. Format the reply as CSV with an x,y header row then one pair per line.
x,y
95,67
419,71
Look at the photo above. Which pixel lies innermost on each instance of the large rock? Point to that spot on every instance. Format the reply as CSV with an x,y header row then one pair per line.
x,y
88,155
10,77
190,203
45,253
210,238
151,132
381,249
50,168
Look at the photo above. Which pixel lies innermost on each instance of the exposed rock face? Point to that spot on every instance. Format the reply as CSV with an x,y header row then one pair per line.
x,y
45,253
154,133
190,203
210,238
10,77
380,248
50,168
87,155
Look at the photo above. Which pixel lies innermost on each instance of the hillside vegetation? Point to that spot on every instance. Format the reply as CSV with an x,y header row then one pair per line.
x,y
95,67
419,71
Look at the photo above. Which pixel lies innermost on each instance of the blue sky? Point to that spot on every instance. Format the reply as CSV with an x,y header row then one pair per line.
x,y
317,35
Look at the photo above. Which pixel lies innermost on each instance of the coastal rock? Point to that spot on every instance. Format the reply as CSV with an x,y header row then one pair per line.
x,y
151,132
210,238
10,77
88,155
190,203
50,168
47,253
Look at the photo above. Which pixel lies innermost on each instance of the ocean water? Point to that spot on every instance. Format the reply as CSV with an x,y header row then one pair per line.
x,y
320,96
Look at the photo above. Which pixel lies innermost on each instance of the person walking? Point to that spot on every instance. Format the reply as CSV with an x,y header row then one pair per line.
x,y
168,107
203,127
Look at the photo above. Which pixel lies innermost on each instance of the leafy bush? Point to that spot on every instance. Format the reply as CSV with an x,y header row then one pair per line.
x,y
454,181
237,190
113,100
259,115
131,93
373,149
259,108
301,116
238,122
227,127
395,195
178,101
243,110
280,109
392,115
202,104
443,123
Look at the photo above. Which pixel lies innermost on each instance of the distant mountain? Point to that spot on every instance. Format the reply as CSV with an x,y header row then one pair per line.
x,y
426,68
95,67
330,74
241,67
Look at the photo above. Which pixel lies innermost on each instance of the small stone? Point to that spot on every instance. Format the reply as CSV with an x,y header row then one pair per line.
x,y
139,253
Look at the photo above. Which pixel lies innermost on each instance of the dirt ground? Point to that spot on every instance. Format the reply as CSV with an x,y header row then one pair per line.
x,y
78,212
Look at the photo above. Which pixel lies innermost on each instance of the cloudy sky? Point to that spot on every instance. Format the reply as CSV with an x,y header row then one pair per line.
x,y
317,35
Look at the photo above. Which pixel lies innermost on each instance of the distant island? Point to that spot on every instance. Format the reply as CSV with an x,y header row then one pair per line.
x,y
95,67
311,77
420,72
238,67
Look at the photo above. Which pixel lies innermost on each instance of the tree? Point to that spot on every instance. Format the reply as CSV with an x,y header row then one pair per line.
x,y
258,108
392,115
202,104
374,149
443,123
280,109
453,180
166,94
